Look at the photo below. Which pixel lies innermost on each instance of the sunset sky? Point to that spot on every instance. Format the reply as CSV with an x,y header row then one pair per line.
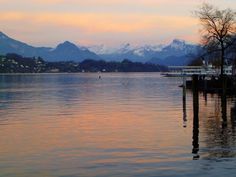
x,y
109,22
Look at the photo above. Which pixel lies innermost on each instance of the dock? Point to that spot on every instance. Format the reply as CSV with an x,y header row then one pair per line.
x,y
189,71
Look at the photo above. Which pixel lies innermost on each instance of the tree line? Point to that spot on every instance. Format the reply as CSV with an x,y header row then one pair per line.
x,y
14,63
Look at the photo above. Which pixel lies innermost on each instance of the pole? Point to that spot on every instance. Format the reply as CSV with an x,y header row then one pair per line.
x,y
195,141
184,102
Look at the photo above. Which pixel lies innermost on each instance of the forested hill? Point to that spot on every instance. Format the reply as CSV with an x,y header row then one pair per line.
x,y
13,63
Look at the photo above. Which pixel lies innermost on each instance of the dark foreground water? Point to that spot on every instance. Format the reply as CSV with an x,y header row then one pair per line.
x,y
124,125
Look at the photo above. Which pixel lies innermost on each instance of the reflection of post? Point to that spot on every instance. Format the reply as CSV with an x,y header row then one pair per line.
x,y
224,110
205,97
224,101
184,102
205,89
195,117
205,83
233,116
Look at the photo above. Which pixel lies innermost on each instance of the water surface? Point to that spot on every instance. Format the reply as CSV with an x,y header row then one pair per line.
x,y
124,124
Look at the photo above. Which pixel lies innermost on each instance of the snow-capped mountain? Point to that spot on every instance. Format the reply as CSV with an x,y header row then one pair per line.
x,y
175,53
126,51
122,49
103,49
178,52
179,46
147,49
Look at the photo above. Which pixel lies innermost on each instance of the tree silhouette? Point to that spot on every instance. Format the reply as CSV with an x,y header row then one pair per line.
x,y
219,29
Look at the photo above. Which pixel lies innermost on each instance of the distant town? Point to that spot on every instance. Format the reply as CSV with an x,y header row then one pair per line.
x,y
14,63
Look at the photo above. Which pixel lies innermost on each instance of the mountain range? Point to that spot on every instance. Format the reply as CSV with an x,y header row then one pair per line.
x,y
65,51
178,52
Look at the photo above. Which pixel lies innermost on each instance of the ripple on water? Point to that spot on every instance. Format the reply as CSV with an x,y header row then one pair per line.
x,y
120,125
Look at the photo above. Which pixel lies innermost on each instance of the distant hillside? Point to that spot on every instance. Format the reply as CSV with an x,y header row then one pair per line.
x,y
123,66
13,63
172,60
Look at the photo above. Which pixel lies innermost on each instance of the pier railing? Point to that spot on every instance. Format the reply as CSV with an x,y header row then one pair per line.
x,y
197,70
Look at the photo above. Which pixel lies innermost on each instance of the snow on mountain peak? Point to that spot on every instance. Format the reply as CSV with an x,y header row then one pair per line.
x,y
3,36
178,44
140,51
178,41
101,49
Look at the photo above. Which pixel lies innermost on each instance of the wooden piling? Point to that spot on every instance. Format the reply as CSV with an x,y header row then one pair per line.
x,y
195,86
224,101
184,102
195,142
224,85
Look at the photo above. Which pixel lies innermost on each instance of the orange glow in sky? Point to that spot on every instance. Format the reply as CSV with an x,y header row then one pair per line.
x,y
111,22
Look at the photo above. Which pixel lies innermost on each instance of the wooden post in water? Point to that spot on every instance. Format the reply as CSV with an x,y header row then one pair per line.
x,y
195,142
224,85
205,84
184,102
224,101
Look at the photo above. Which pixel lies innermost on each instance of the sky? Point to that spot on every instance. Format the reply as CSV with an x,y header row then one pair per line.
x,y
109,22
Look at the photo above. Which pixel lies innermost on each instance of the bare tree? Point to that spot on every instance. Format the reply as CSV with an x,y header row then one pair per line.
x,y
219,29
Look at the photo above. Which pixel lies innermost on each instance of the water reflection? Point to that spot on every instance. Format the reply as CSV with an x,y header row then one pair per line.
x,y
218,131
233,116
119,125
224,111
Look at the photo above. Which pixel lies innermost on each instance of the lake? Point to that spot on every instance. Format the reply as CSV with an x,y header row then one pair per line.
x,y
121,125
